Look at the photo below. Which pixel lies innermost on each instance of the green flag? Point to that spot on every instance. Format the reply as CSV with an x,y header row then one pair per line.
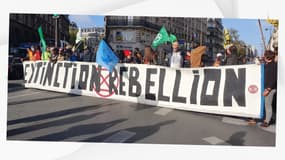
x,y
55,15
160,38
172,38
43,42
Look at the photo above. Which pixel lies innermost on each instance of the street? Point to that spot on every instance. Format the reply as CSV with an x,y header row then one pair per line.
x,y
41,115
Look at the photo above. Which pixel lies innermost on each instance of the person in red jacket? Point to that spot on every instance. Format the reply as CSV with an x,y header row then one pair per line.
x,y
37,55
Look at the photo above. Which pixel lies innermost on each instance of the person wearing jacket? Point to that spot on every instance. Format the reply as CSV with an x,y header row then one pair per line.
x,y
46,55
270,85
231,55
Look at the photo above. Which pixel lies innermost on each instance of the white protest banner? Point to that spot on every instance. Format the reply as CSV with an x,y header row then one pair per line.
x,y
227,90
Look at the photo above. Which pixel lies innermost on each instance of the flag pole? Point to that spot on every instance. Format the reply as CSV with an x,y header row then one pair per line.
x,y
201,34
262,35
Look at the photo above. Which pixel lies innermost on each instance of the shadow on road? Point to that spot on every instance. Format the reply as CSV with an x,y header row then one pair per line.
x,y
64,121
237,139
56,114
140,133
12,87
139,106
42,99
79,130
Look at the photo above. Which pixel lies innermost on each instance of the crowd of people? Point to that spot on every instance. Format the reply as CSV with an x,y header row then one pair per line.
x,y
55,54
175,58
178,58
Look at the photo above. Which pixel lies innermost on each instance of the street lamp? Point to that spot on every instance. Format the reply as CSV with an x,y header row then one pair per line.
x,y
56,17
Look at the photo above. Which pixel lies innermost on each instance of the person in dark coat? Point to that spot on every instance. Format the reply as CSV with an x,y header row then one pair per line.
x,y
231,55
270,85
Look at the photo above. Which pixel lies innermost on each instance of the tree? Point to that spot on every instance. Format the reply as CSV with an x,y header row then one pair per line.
x,y
72,33
234,34
241,45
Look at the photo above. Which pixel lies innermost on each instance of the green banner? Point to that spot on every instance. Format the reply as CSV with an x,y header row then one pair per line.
x,y
43,42
160,38
172,38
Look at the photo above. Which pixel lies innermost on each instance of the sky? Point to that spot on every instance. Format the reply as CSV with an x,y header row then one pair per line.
x,y
248,29
85,21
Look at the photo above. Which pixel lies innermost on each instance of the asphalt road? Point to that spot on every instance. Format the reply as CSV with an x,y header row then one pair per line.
x,y
40,115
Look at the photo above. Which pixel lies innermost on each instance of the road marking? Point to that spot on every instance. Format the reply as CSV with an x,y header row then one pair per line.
x,y
24,95
271,128
120,137
163,111
215,140
235,121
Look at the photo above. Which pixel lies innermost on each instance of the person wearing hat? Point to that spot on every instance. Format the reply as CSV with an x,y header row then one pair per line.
x,y
128,57
218,60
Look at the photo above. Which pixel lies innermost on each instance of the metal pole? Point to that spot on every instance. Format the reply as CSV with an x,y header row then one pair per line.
x,y
56,38
201,34
262,35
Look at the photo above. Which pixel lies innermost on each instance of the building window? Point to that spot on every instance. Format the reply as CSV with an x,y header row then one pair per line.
x,y
130,20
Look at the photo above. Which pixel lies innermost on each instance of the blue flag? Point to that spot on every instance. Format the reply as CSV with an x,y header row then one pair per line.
x,y
106,57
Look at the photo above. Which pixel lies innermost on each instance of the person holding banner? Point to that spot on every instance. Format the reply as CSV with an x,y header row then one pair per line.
x,y
218,60
30,52
137,56
176,59
37,54
60,56
54,55
231,55
46,54
149,56
270,85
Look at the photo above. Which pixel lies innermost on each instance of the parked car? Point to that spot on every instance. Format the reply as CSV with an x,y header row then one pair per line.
x,y
15,67
18,52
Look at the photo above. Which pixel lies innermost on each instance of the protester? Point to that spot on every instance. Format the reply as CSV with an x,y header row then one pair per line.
x,y
86,55
94,52
241,59
30,52
128,57
137,56
46,54
73,57
80,55
231,55
67,53
276,54
218,60
176,59
196,56
54,55
37,54
60,56
187,59
270,85
149,57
